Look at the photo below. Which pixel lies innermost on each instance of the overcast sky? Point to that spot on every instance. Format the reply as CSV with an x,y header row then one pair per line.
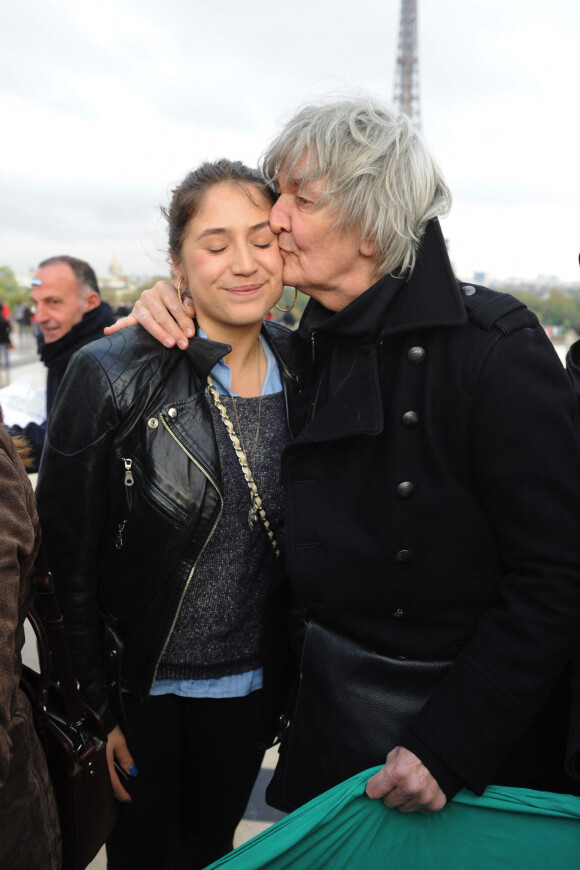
x,y
106,104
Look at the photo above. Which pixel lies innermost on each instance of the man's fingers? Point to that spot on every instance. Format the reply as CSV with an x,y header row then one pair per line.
x,y
406,784
426,802
160,313
379,784
121,323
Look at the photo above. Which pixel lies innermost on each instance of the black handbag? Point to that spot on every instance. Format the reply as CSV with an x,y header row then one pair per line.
x,y
72,734
352,707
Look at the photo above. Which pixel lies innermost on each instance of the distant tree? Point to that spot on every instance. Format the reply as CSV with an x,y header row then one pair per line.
x,y
286,301
531,299
145,285
10,292
149,282
553,308
8,284
559,309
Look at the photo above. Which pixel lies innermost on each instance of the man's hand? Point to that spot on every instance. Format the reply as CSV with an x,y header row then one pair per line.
x,y
118,751
159,312
405,783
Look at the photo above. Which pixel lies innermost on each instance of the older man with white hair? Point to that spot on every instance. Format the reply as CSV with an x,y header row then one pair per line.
x,y
431,488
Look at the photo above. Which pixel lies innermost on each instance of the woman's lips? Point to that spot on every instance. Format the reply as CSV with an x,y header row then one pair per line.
x,y
244,290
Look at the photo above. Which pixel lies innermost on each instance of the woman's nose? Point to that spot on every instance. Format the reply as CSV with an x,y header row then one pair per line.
x,y
244,261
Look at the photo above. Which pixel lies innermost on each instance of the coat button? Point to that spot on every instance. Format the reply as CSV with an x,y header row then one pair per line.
x,y
416,355
172,413
403,556
410,419
469,290
153,423
406,489
398,613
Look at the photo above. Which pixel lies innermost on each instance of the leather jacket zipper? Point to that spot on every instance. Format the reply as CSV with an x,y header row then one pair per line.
x,y
129,479
119,537
206,542
129,482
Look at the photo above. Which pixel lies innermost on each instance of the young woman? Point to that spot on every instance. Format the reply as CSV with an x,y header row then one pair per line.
x,y
162,514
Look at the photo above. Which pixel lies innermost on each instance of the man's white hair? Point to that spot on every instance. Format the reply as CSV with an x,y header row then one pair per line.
x,y
377,172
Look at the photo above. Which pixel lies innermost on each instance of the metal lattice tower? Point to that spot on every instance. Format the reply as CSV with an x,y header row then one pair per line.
x,y
407,71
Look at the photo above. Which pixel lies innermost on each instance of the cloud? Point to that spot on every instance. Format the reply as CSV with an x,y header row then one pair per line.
x,y
108,103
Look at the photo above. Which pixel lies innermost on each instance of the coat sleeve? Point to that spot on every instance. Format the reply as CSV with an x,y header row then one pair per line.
x,y
73,496
18,544
35,433
526,461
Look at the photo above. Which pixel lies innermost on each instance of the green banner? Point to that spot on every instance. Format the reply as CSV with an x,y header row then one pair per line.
x,y
343,829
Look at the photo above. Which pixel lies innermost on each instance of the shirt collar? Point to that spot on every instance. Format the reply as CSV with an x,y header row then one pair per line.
x,y
221,373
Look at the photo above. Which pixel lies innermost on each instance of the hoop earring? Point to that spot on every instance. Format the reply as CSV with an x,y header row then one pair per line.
x,y
283,310
179,286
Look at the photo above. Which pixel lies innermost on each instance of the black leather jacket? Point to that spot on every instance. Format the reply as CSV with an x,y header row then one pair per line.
x,y
129,495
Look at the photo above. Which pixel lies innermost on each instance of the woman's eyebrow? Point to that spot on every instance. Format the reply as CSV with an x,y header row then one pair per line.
x,y
212,231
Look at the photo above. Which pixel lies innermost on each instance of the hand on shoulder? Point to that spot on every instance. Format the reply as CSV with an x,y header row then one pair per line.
x,y
159,312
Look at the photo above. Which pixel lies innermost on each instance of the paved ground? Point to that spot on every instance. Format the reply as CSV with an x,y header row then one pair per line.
x,y
25,364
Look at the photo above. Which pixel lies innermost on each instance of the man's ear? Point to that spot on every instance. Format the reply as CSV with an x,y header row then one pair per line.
x,y
93,300
366,248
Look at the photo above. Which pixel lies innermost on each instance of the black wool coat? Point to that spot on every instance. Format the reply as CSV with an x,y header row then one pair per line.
x,y
433,507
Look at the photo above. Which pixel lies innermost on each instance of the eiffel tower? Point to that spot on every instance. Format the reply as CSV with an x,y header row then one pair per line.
x,y
406,96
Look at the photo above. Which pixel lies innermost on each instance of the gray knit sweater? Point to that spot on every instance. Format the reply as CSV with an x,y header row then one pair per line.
x,y
219,626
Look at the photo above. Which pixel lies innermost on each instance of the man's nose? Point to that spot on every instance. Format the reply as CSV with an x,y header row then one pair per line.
x,y
280,216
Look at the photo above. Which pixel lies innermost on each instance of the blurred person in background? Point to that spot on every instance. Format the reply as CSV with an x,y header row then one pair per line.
x,y
29,828
4,350
69,314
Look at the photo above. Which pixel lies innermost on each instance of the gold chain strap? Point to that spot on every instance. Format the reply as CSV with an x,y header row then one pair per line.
x,y
243,460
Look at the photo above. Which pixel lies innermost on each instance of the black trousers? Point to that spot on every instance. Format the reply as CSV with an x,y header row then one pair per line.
x,y
198,760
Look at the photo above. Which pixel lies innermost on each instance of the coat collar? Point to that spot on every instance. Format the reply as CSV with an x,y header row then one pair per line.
x,y
429,299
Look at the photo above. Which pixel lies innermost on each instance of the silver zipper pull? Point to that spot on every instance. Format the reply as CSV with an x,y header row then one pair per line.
x,y
129,479
119,538
312,344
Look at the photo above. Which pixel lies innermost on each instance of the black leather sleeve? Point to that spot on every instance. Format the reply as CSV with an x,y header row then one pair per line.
x,y
73,498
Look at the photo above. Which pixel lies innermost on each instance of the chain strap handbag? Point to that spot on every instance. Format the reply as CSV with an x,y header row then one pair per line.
x,y
72,735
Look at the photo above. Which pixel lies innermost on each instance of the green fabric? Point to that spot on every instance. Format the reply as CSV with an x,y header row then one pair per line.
x,y
343,829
